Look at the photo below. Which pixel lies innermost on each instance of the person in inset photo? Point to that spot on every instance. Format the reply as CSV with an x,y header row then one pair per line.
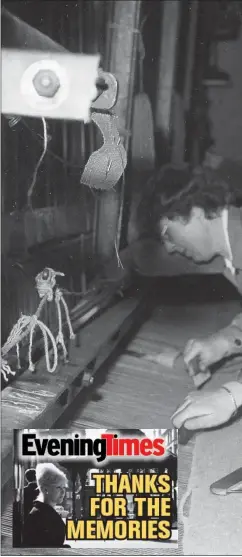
x,y
43,526
30,491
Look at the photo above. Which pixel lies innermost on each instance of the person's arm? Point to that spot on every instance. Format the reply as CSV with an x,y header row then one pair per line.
x,y
209,409
235,389
39,532
222,344
233,335
31,532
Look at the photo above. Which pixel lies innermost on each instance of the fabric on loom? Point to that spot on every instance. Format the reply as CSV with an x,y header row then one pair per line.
x,y
213,525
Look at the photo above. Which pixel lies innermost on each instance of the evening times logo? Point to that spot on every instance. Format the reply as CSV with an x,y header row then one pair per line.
x,y
100,450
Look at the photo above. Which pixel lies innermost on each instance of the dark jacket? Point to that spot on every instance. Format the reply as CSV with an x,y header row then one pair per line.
x,y
30,494
43,527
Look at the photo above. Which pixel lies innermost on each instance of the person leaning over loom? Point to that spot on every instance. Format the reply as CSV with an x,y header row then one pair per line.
x,y
199,219
44,527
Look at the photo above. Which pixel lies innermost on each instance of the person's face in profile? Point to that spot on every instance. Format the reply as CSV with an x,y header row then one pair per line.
x,y
57,491
191,237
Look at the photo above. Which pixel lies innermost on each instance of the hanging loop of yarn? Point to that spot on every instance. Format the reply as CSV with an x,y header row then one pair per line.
x,y
60,338
45,332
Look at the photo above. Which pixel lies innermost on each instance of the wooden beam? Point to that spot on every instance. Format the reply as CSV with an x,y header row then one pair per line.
x,y
190,55
168,51
182,101
123,30
18,34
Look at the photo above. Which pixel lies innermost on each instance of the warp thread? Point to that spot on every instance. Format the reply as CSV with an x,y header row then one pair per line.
x,y
120,264
34,178
123,26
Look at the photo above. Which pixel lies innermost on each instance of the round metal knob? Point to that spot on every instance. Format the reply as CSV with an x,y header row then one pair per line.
x,y
46,83
87,379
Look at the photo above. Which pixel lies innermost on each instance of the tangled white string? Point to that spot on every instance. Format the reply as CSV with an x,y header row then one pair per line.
x,y
6,369
27,324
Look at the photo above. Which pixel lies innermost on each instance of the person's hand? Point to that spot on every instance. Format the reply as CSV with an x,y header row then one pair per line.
x,y
204,410
208,351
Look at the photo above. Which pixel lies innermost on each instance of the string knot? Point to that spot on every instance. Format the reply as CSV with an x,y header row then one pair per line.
x,y
45,283
6,369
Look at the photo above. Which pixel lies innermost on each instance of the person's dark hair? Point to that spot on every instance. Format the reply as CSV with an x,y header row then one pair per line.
x,y
30,475
175,190
178,191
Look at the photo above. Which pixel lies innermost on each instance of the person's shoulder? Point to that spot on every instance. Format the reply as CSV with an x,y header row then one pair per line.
x,y
33,486
37,511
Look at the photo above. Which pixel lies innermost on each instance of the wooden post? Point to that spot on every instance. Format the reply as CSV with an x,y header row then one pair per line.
x,y
123,30
168,50
182,102
190,55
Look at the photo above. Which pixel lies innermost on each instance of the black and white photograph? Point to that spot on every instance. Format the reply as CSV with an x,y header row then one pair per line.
x,y
121,252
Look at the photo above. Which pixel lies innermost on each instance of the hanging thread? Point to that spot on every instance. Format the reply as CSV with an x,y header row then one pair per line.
x,y
45,332
34,178
127,133
120,264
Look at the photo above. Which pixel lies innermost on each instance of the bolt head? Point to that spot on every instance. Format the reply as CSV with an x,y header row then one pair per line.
x,y
46,83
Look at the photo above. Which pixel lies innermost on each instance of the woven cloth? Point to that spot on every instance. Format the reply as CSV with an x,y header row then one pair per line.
x,y
214,523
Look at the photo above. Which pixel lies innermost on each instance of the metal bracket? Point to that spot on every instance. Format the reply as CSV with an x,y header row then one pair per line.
x,y
108,97
50,84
